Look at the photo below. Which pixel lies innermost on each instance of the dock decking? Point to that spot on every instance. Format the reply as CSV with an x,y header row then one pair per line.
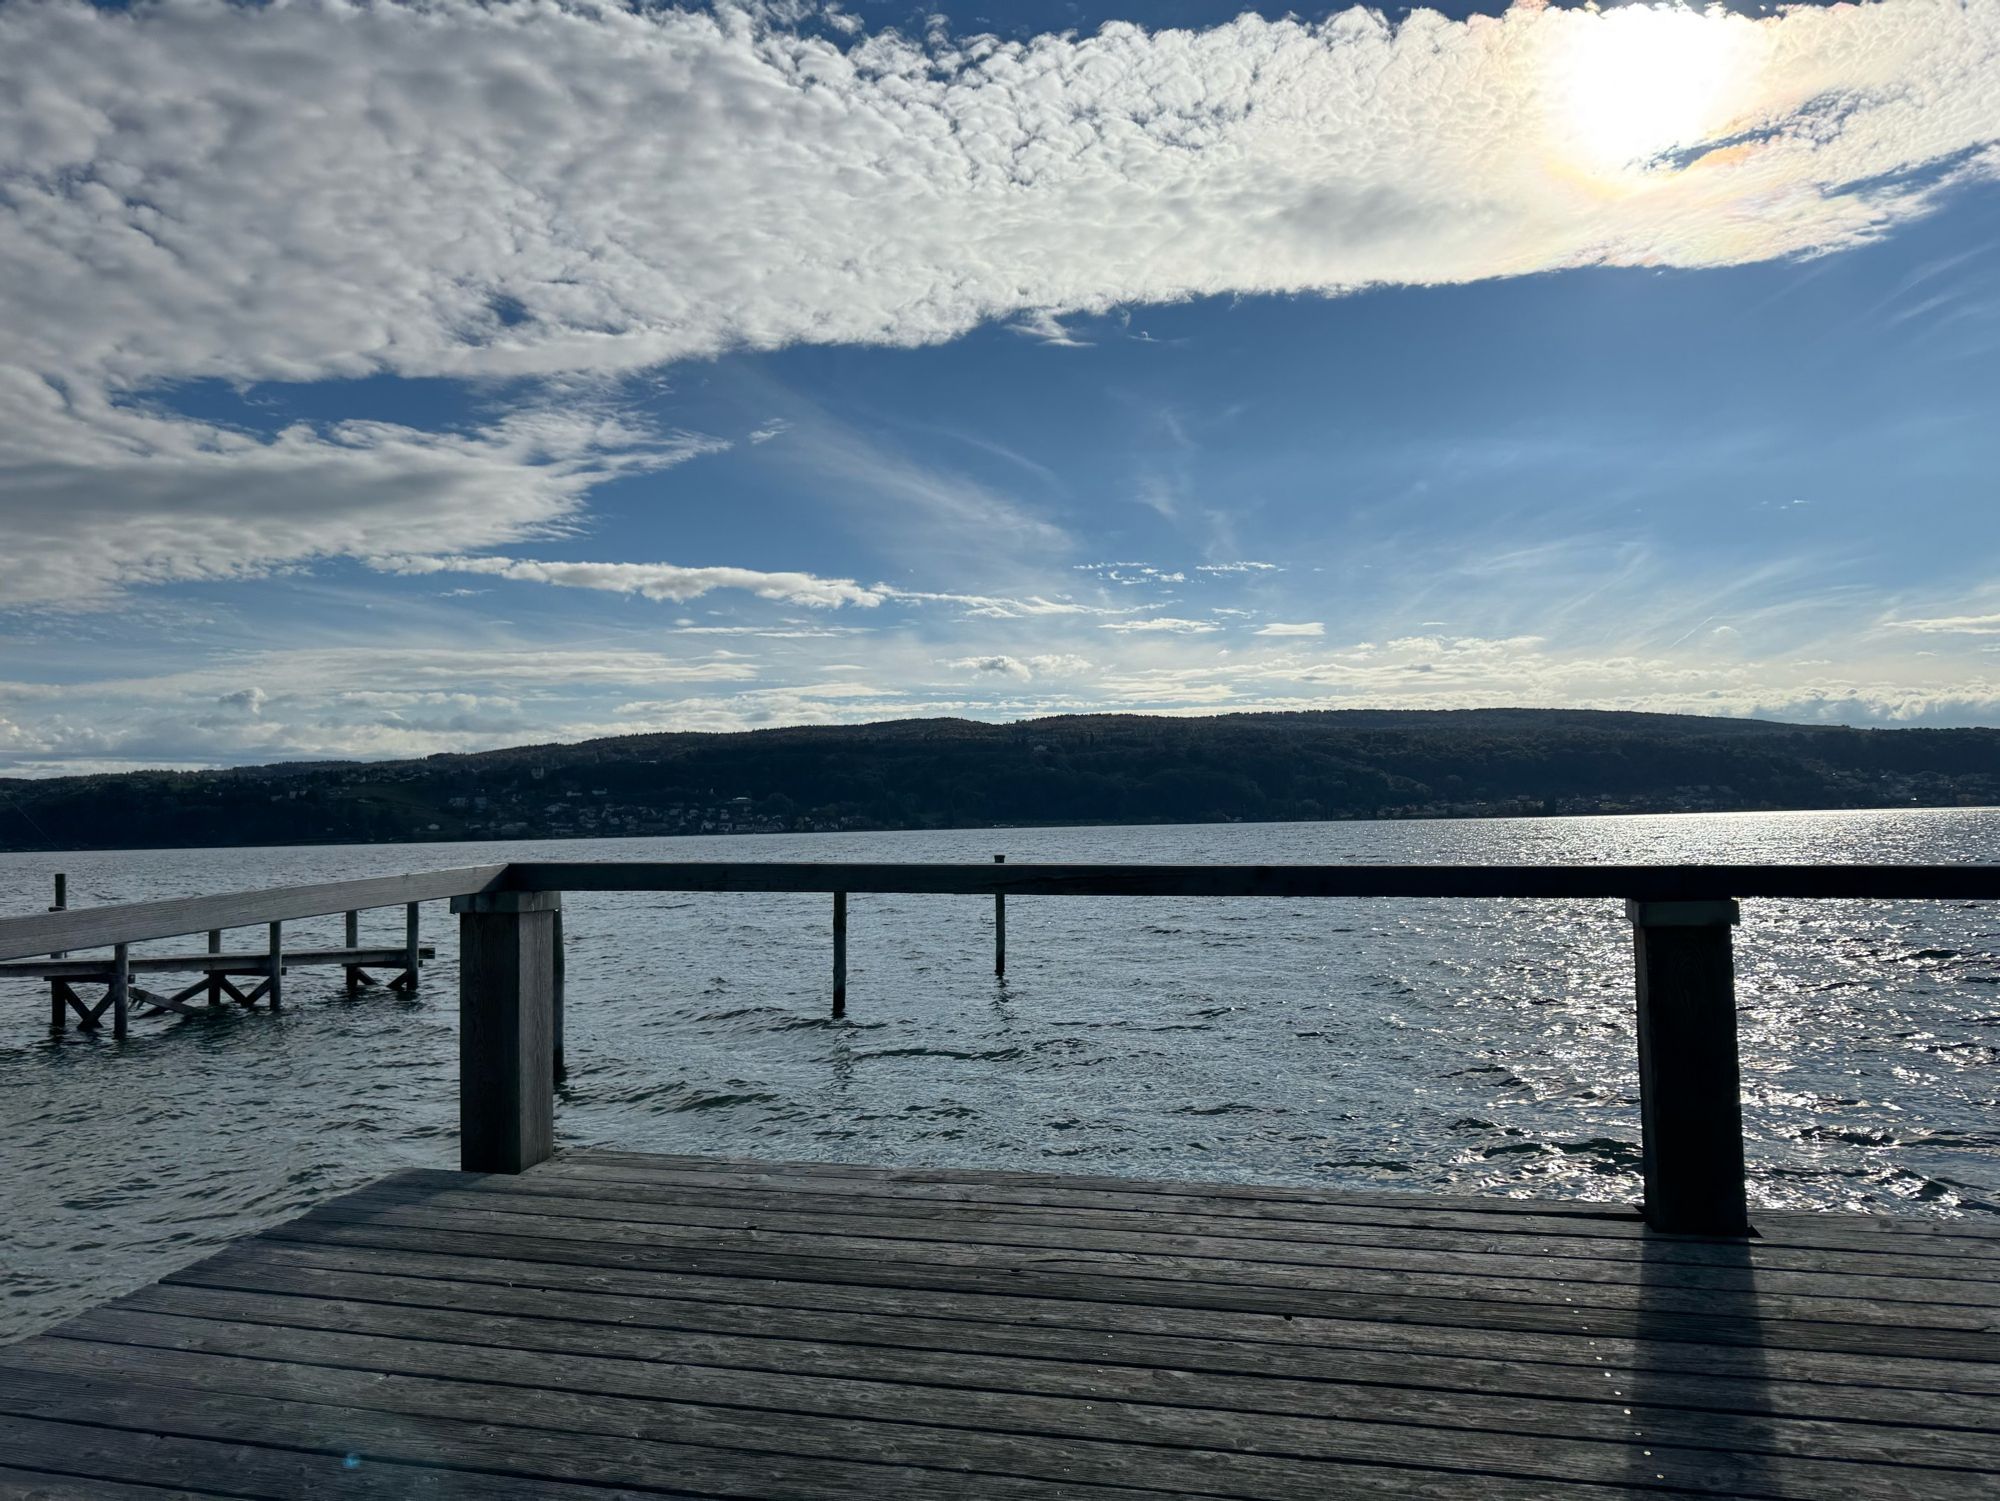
x,y
613,1324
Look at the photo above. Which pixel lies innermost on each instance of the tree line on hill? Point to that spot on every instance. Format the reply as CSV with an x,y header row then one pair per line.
x,y
951,773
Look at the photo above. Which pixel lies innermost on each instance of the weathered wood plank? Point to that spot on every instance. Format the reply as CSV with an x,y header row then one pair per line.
x,y
1488,1204
1494,1213
192,1314
1838,1273
1417,1306
32,1485
666,1325
1290,1459
135,922
1257,1341
95,1460
473,1457
967,1349
1436,1274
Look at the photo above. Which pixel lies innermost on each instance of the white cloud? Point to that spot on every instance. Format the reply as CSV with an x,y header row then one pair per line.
x,y
1244,567
1955,625
652,580
1168,623
322,190
1131,573
1000,666
1044,327
97,496
1302,628
1050,664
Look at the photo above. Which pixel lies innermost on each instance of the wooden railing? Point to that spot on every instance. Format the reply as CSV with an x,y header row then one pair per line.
x,y
510,965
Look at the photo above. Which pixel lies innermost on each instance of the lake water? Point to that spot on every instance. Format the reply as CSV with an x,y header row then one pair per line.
x,y
1464,1046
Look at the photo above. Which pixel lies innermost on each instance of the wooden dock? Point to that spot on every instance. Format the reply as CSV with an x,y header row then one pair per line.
x,y
615,1324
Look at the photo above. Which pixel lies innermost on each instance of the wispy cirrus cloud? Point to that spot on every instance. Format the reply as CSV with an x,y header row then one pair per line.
x,y
1949,625
661,581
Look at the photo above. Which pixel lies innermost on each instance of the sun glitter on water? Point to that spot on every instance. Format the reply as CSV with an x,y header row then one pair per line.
x,y
1630,85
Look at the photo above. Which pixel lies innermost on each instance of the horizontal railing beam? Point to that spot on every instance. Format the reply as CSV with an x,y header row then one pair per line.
x,y
1649,883
135,922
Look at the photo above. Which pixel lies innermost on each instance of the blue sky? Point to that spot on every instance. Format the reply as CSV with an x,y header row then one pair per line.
x,y
429,381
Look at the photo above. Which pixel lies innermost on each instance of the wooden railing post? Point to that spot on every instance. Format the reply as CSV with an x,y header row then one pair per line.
x,y
214,977
839,954
506,1029
1000,926
276,992
350,934
1690,1094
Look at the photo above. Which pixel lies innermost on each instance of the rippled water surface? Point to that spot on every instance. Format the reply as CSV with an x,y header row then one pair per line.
x,y
1444,1045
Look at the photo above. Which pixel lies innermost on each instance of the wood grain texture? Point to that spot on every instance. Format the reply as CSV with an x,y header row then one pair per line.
x,y
619,1324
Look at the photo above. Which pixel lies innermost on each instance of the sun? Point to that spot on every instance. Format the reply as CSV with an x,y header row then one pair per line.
x,y
1633,84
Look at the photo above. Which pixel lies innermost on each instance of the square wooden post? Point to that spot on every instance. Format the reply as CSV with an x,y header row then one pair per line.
x,y
506,1029
121,988
350,933
839,955
214,977
1690,1089
412,936
276,993
1000,926
58,1002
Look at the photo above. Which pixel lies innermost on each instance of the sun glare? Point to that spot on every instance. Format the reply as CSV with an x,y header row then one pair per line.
x,y
1633,83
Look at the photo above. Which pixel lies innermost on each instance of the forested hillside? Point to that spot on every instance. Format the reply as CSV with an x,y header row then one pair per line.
x,y
1079,769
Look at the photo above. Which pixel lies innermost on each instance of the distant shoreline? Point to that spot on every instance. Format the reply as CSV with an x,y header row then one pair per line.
x,y
1078,771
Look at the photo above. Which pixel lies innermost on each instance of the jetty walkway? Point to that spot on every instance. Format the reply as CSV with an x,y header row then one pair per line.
x,y
613,1324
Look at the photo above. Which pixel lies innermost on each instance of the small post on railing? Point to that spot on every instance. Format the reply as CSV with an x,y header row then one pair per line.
x,y
121,987
276,993
561,1065
1000,927
506,1029
839,955
214,977
350,933
1690,1093
60,904
412,963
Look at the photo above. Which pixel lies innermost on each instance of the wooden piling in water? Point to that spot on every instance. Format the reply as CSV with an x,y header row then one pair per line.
x,y
839,954
215,980
276,989
121,988
351,936
58,1002
412,960
1000,927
